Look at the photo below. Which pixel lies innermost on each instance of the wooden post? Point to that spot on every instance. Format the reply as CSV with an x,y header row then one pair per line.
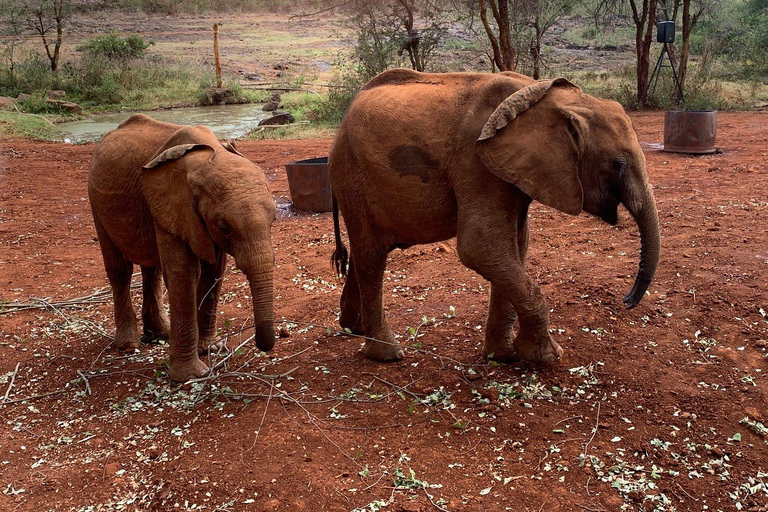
x,y
216,54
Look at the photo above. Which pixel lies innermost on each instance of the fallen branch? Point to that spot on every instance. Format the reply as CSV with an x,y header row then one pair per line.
x,y
33,397
10,385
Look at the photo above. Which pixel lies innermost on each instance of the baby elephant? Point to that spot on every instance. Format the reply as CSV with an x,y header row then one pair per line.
x,y
424,157
173,199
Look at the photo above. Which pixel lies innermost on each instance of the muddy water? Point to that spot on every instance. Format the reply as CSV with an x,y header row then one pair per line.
x,y
227,121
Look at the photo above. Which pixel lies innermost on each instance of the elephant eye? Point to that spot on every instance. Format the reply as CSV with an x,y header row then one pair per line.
x,y
224,228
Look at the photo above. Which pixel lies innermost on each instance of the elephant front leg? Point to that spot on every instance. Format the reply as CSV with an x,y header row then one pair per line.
x,y
153,315
495,248
533,342
498,327
208,291
181,269
520,298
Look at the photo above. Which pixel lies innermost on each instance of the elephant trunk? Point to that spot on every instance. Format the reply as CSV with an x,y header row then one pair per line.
x,y
643,209
258,269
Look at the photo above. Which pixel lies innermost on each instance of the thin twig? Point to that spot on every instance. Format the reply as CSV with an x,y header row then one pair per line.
x,y
33,397
85,380
263,416
594,431
590,509
10,385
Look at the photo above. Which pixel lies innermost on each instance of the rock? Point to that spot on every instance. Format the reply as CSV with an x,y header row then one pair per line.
x,y
281,118
256,77
71,107
6,103
74,108
273,103
23,97
280,65
56,94
222,96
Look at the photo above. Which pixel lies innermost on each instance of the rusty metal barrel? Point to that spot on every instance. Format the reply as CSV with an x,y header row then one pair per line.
x,y
309,184
690,131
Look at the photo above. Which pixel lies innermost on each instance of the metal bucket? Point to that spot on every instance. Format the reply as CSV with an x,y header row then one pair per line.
x,y
309,185
690,131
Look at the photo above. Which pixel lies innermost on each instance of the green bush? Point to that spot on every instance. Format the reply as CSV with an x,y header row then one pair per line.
x,y
113,47
31,75
331,109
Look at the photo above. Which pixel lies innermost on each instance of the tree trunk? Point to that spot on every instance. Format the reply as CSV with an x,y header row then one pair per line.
x,y
644,20
689,21
503,50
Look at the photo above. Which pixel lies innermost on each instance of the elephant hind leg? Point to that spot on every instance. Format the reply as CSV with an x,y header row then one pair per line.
x,y
119,271
370,260
350,315
156,324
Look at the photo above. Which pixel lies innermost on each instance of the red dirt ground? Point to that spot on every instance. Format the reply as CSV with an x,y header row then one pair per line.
x,y
315,426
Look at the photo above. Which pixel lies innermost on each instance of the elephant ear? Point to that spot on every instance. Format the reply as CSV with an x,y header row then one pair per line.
x,y
230,146
534,148
166,188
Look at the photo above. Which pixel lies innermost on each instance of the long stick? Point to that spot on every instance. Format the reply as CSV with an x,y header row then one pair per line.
x,y
216,54
13,379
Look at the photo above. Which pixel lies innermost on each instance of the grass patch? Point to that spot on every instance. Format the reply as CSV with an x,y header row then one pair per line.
x,y
16,124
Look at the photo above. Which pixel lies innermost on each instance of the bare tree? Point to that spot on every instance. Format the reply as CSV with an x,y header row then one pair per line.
x,y
692,11
539,16
643,14
504,54
11,29
389,29
45,17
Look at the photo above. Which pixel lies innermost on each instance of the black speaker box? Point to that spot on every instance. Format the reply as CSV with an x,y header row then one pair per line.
x,y
665,32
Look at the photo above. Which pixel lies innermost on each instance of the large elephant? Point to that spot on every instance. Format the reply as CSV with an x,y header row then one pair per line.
x,y
425,157
176,201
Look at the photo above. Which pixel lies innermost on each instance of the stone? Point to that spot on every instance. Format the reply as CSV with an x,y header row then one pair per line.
x,y
73,108
6,103
256,77
222,96
278,119
56,94
271,106
274,103
23,97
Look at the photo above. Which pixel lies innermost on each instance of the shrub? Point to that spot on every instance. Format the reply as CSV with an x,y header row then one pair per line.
x,y
30,75
113,47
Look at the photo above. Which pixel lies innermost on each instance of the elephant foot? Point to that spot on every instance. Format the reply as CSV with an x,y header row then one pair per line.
x,y
210,345
182,372
537,349
351,322
127,340
156,330
385,350
504,353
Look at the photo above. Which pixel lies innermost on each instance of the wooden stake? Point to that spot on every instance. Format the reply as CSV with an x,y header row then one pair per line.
x,y
216,54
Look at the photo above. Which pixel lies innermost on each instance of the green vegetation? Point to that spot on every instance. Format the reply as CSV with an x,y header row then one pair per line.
x,y
17,124
728,68
115,73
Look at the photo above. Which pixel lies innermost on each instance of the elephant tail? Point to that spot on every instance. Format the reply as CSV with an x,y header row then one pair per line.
x,y
340,256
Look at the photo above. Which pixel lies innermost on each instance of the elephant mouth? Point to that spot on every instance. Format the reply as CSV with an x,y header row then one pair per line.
x,y
610,214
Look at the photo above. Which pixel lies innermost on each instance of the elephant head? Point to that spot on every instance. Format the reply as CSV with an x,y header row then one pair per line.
x,y
574,152
213,198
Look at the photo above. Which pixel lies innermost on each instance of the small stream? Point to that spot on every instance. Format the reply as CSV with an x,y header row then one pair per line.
x,y
227,121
